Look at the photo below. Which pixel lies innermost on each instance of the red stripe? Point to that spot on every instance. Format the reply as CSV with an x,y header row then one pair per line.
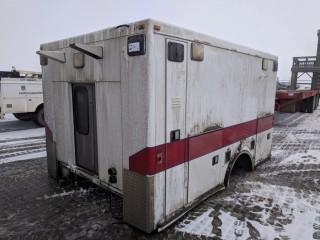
x,y
237,132
264,124
176,153
152,160
205,143
146,161
296,94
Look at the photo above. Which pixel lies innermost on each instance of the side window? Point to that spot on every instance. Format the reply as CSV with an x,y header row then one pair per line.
x,y
81,110
175,52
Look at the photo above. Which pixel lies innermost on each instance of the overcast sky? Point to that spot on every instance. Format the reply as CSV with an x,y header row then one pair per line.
x,y
285,28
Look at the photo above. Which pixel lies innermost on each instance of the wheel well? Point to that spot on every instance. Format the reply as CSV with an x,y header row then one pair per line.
x,y
242,161
39,107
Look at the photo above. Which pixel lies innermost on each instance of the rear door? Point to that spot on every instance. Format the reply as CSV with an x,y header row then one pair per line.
x,y
85,126
176,164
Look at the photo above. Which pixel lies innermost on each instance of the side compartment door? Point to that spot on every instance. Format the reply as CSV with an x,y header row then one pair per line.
x,y
34,95
85,126
13,98
176,164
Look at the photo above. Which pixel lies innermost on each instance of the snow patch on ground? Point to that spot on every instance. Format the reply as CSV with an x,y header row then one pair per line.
x,y
22,145
311,123
232,227
298,210
8,118
20,142
290,171
201,226
290,137
307,136
278,153
276,212
24,157
64,193
309,157
36,132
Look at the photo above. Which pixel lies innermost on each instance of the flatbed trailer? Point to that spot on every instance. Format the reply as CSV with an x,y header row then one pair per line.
x,y
297,100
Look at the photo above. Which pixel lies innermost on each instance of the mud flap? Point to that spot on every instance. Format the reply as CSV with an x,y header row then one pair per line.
x,y
138,200
51,155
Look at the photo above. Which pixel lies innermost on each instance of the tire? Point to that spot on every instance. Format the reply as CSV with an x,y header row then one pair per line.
x,y
38,117
23,116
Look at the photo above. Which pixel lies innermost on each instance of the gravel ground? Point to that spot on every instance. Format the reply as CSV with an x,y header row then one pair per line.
x,y
280,200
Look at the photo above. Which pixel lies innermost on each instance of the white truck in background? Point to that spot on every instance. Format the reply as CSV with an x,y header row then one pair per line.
x,y
21,95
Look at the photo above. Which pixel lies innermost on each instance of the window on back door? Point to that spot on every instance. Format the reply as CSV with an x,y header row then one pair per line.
x,y
175,52
81,105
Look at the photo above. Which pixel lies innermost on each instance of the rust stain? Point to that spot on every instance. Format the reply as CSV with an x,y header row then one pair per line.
x,y
237,151
205,126
213,127
264,114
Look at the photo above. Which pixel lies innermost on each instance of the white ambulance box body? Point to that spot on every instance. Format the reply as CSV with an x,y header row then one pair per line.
x,y
156,113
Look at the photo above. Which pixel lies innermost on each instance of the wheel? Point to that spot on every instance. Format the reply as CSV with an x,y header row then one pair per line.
x,y
23,116
38,117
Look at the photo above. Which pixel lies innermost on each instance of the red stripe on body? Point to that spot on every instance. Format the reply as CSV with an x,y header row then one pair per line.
x,y
264,124
152,160
205,143
146,162
237,132
176,153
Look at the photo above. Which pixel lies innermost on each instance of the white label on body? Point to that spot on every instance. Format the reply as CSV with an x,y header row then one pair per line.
x,y
134,47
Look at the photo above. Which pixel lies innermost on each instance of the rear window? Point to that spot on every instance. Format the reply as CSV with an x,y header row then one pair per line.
x,y
175,52
81,110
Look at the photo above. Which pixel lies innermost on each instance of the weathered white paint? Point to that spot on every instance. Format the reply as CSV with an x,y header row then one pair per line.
x,y
203,175
140,99
109,132
177,177
263,146
63,122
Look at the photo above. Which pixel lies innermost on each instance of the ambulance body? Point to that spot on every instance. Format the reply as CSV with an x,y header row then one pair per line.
x,y
156,113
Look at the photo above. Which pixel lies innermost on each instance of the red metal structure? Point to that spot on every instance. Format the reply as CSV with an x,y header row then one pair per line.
x,y
295,100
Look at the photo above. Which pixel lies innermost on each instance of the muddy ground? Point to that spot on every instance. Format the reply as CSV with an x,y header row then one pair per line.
x,y
280,200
